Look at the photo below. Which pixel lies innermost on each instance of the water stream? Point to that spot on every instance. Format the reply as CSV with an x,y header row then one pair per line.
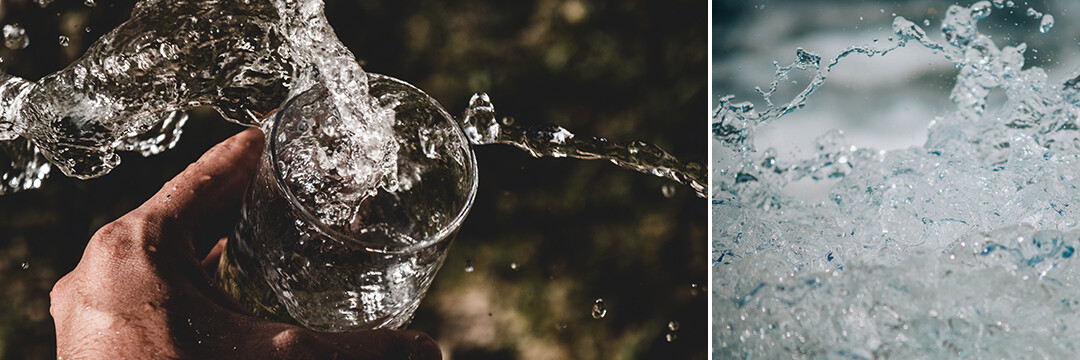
x,y
243,58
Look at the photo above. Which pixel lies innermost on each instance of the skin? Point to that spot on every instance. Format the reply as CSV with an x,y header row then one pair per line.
x,y
141,292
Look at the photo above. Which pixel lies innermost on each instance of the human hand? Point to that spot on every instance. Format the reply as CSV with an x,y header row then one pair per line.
x,y
140,292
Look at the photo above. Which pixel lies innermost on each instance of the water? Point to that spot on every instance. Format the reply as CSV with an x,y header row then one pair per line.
x,y
130,92
322,245
599,311
482,128
493,274
961,247
132,81
15,37
117,95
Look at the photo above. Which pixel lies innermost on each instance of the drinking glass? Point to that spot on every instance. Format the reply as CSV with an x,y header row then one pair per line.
x,y
371,267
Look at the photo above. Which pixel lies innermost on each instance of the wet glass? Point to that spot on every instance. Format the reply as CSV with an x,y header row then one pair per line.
x,y
314,248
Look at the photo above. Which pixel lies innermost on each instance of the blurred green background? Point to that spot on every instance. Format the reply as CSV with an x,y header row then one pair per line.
x,y
546,237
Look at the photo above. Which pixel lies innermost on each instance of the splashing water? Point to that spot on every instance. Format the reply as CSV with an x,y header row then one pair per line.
x,y
598,309
128,92
961,247
15,37
482,128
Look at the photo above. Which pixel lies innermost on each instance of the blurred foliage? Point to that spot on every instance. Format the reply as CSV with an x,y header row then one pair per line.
x,y
546,237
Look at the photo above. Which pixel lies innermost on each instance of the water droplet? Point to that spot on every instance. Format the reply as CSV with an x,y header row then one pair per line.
x,y
513,266
507,120
1035,14
43,3
598,310
168,197
26,265
673,325
15,37
670,337
1047,23
87,29
807,58
668,190
468,266
926,22
64,41
980,10
562,325
1010,3
89,3
999,3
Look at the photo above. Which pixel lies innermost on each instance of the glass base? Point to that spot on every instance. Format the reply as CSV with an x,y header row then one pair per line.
x,y
250,290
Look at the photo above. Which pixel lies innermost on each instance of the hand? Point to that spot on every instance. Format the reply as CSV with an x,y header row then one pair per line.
x,y
140,292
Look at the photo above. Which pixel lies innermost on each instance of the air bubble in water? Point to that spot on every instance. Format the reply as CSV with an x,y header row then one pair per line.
x,y
668,190
673,325
15,37
980,10
1046,24
598,310
64,41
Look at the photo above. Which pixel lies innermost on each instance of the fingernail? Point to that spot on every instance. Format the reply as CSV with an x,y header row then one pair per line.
x,y
427,348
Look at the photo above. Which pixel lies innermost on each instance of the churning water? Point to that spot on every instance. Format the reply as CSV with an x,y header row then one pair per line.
x,y
962,246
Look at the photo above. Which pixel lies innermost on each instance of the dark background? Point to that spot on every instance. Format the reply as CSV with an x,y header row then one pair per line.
x,y
576,230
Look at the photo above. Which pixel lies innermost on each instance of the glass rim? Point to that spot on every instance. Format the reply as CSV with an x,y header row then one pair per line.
x,y
444,233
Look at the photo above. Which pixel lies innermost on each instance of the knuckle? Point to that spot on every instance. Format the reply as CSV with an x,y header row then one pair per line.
x,y
295,342
121,238
118,247
59,292
292,337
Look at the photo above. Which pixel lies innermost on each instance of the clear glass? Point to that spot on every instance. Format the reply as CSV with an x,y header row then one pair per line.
x,y
284,261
